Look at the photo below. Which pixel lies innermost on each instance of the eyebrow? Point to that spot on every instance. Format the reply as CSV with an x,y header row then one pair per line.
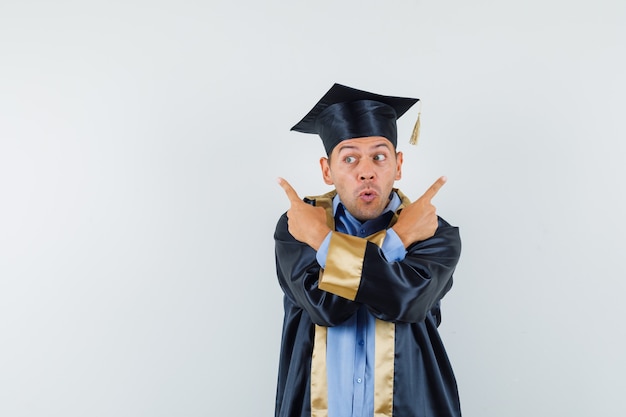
x,y
348,147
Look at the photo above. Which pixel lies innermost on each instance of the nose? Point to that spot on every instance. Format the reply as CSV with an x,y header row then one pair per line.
x,y
366,172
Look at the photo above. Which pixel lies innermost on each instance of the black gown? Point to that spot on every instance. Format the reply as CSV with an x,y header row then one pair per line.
x,y
405,298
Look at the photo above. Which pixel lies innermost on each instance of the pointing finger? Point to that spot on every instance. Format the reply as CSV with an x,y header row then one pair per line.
x,y
433,189
291,193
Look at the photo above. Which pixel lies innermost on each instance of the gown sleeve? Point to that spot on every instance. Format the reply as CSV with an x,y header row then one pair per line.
x,y
402,291
298,275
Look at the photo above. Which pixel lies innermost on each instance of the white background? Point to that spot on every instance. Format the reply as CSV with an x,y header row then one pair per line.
x,y
139,146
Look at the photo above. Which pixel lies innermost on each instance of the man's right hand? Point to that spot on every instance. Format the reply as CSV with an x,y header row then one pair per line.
x,y
418,221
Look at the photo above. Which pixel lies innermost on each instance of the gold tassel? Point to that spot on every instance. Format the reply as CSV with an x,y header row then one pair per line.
x,y
416,129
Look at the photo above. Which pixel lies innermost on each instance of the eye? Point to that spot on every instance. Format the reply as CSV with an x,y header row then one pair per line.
x,y
349,159
380,157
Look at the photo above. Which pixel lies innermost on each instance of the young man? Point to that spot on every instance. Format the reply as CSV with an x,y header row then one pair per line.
x,y
363,271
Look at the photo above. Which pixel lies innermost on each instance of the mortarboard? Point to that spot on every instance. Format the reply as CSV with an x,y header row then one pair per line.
x,y
346,113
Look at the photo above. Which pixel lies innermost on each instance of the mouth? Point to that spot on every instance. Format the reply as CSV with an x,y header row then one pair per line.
x,y
368,195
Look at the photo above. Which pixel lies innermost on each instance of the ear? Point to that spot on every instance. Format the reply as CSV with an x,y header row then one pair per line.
x,y
399,160
325,165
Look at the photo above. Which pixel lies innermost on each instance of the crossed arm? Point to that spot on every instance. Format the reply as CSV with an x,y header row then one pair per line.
x,y
393,291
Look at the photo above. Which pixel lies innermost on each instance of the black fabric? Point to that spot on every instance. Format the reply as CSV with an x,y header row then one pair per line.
x,y
346,113
407,293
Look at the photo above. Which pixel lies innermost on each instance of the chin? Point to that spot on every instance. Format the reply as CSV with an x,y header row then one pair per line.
x,y
364,212
367,215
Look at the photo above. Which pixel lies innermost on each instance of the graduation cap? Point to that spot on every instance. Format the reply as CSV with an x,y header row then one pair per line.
x,y
346,113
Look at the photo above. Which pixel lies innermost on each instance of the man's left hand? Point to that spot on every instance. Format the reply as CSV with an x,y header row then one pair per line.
x,y
307,223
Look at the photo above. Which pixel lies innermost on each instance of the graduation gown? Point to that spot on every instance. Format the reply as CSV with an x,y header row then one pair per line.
x,y
413,376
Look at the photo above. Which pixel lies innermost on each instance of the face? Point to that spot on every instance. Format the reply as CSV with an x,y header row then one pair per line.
x,y
363,170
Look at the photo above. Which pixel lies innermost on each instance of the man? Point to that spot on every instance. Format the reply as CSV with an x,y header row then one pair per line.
x,y
363,271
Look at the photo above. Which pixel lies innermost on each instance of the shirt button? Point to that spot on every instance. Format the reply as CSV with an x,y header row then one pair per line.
x,y
362,231
361,343
359,380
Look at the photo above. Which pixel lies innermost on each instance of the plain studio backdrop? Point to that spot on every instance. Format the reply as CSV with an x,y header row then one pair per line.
x,y
139,146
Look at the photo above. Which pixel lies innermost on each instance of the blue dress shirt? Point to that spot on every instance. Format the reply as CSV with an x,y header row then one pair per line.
x,y
350,345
